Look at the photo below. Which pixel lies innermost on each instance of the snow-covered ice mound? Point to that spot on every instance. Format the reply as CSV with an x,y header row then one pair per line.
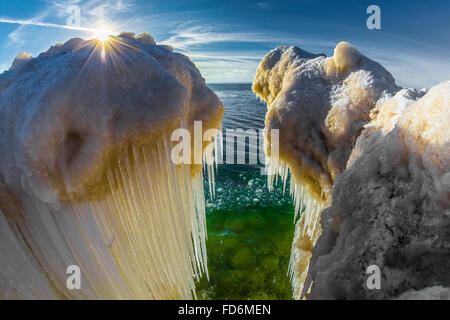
x,y
391,207
320,105
86,176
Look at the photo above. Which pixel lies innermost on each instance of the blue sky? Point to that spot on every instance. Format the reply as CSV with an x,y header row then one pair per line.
x,y
227,38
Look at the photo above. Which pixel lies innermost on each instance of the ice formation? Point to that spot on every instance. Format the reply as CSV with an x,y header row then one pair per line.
x,y
86,176
383,118
391,207
320,105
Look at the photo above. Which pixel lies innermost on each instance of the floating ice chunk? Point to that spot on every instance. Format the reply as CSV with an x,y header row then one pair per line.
x,y
86,176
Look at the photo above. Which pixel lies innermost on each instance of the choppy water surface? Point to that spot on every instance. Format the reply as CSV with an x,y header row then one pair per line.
x,y
249,229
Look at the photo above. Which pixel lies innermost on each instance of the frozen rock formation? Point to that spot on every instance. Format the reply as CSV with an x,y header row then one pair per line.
x,y
86,176
320,105
391,207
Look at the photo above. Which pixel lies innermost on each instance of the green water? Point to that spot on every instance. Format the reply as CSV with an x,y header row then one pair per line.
x,y
250,230
249,238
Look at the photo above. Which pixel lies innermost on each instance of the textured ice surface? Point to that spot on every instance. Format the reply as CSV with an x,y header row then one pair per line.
x,y
86,176
320,105
391,207
383,118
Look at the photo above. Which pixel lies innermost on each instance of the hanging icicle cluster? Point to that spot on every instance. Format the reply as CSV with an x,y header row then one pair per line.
x,y
303,200
307,229
144,240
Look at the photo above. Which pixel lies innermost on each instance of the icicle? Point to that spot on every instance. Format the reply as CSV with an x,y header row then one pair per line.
x,y
305,206
144,239
20,277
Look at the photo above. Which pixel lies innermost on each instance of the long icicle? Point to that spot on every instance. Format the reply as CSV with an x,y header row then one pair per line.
x,y
144,239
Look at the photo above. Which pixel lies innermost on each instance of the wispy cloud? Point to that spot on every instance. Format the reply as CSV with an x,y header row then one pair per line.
x,y
3,67
404,60
35,22
184,36
92,13
202,42
227,66
226,49
264,5
15,36
411,68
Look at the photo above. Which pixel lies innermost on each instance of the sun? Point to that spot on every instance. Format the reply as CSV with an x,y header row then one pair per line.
x,y
102,33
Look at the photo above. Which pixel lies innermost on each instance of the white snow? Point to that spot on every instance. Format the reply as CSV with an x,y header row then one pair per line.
x,y
420,119
86,176
384,117
345,58
20,59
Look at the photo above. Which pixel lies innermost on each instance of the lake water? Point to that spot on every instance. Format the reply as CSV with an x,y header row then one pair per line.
x,y
250,230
